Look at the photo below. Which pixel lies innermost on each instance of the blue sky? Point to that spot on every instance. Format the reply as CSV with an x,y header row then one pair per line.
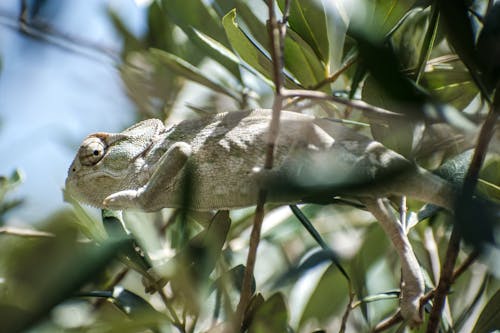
x,y
50,98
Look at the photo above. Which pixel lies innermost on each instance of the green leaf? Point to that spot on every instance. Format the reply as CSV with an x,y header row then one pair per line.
x,y
328,298
245,48
308,19
450,83
491,191
400,135
489,319
271,316
218,52
183,68
301,61
196,14
382,15
249,51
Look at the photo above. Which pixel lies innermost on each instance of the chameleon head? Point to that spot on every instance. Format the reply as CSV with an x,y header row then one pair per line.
x,y
108,162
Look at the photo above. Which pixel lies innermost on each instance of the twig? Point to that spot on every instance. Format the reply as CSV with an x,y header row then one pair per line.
x,y
23,232
389,322
277,32
356,104
445,281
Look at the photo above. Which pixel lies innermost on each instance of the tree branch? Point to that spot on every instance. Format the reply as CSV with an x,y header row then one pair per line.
x,y
277,31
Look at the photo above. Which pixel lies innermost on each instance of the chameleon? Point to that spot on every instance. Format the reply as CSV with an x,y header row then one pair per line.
x,y
221,157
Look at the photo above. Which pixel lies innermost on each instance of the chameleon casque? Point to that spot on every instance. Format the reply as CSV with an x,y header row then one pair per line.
x,y
143,167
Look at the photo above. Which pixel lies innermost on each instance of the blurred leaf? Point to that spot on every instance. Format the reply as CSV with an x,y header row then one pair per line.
x,y
373,249
450,83
189,14
185,69
384,66
490,171
382,15
459,32
130,42
315,259
400,135
308,19
270,316
47,271
489,319
132,304
491,191
408,39
328,298
477,220
10,183
255,302
488,47
218,52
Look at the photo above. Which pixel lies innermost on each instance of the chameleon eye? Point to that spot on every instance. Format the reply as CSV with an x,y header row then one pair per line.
x,y
91,151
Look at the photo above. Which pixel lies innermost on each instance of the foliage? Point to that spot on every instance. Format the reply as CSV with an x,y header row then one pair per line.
x,y
182,271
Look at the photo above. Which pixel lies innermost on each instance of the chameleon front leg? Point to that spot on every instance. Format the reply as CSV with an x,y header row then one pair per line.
x,y
159,187
412,281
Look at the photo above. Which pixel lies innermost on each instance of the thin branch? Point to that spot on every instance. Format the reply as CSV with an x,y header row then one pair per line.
x,y
370,110
445,281
277,31
23,232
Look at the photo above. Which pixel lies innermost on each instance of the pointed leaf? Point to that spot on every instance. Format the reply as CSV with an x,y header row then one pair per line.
x,y
183,68
489,319
308,19
271,316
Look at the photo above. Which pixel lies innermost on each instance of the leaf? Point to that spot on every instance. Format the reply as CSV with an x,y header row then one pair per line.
x,y
488,50
382,15
183,68
308,19
328,298
271,316
218,52
313,260
450,83
244,46
491,191
400,135
301,62
250,51
489,319
189,14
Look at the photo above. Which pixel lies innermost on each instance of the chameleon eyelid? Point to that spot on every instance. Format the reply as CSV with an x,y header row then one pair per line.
x,y
91,151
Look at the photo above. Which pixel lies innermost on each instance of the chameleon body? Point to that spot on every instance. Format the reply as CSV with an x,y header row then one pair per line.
x,y
145,166
220,157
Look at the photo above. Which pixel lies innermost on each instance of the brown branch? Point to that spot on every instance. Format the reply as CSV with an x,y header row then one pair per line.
x,y
445,281
277,31
370,110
